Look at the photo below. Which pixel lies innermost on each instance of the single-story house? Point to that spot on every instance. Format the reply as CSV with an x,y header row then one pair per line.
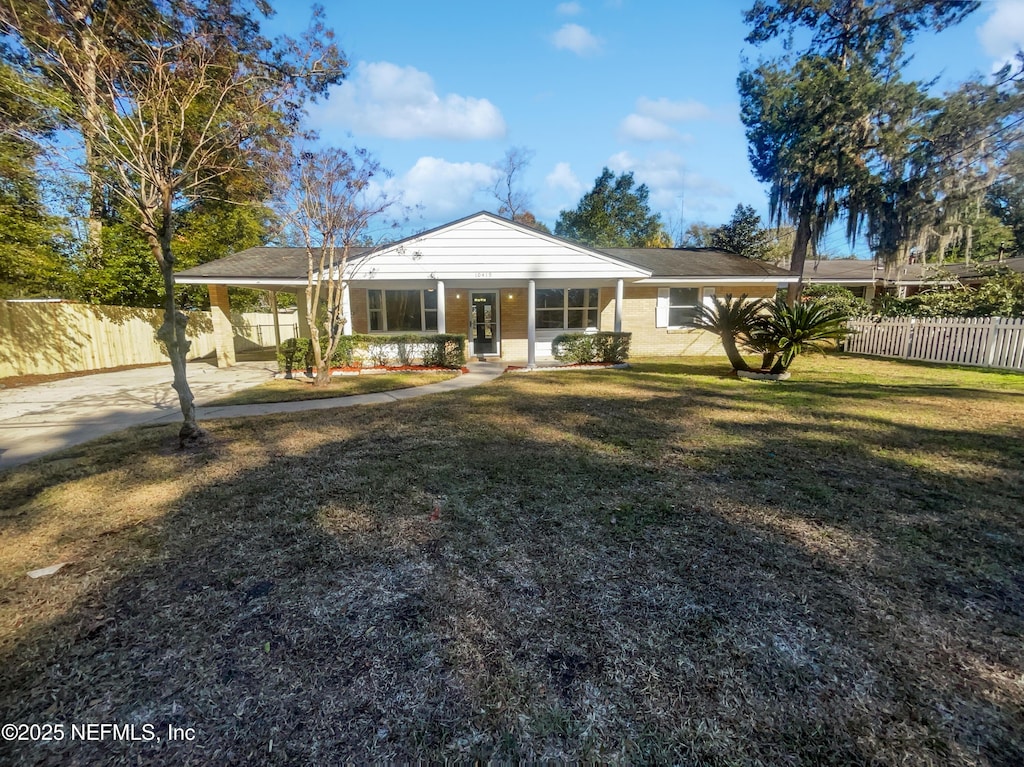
x,y
867,278
511,289
976,272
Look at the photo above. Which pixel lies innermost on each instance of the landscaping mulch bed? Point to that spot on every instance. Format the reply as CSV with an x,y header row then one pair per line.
x,y
659,565
364,370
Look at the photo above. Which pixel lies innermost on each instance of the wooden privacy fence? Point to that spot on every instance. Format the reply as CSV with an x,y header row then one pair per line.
x,y
40,338
988,341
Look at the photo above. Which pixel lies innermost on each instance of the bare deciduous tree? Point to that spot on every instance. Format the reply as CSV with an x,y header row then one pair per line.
x,y
513,201
329,199
196,99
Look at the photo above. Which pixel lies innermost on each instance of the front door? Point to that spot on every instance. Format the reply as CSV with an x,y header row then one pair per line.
x,y
483,322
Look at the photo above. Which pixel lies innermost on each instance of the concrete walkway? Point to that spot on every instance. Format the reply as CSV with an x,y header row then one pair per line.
x,y
36,420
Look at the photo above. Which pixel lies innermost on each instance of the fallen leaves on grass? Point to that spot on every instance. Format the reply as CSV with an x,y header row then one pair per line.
x,y
653,566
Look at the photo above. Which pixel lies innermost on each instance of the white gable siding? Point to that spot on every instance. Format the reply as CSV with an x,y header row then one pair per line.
x,y
487,248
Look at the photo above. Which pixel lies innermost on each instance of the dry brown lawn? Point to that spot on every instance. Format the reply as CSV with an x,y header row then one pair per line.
x,y
294,389
659,565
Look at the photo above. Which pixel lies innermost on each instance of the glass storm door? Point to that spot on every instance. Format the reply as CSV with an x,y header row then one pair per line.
x,y
483,322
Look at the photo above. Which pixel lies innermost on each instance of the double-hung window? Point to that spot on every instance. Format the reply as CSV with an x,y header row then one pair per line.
x,y
683,306
679,307
567,308
402,311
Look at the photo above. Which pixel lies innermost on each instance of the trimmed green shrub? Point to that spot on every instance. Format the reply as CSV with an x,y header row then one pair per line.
x,y
378,350
295,353
438,350
837,297
613,347
581,348
445,350
577,348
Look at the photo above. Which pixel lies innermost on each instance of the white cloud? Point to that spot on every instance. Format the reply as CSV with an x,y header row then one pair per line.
x,y
563,179
569,9
442,190
643,128
384,99
673,111
666,175
653,118
1002,34
579,40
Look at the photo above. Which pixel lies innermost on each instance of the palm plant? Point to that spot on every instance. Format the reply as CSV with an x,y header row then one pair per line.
x,y
786,331
731,319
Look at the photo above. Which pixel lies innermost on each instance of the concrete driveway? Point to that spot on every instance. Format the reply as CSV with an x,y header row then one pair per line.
x,y
35,420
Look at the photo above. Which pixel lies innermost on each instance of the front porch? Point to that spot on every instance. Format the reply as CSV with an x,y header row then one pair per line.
x,y
501,320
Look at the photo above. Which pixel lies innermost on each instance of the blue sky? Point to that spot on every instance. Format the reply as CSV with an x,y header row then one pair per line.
x,y
439,90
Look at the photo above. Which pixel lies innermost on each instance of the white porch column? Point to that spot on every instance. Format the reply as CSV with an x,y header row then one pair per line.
x,y
869,293
531,324
277,322
440,307
346,309
618,306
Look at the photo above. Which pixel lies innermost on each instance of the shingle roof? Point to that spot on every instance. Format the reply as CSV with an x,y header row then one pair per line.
x,y
272,263
260,263
695,262
868,270
843,269
976,269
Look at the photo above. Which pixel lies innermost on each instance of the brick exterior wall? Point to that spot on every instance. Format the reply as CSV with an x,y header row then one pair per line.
x,y
513,323
456,311
638,318
638,310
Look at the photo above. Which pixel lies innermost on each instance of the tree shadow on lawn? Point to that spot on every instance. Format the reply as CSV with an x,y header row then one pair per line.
x,y
608,579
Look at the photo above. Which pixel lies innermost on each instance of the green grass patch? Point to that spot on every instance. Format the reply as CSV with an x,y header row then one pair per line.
x,y
656,565
295,389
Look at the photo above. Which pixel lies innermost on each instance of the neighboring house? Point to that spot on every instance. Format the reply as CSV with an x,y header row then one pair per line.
x,y
511,289
975,273
868,278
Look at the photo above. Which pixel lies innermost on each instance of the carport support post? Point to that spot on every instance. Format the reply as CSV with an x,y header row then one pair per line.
x,y
277,322
441,323
531,325
300,306
618,306
223,334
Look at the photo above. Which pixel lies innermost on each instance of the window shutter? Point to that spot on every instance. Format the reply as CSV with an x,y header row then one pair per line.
x,y
708,294
661,309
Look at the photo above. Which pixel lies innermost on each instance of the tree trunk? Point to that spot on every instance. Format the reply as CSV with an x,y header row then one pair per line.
x,y
172,331
796,264
323,373
90,118
320,364
735,358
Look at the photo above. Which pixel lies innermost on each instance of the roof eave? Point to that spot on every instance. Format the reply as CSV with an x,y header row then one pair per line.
x,y
211,280
747,280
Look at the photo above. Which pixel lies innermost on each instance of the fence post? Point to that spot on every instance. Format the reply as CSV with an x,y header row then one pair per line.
x,y
910,338
993,341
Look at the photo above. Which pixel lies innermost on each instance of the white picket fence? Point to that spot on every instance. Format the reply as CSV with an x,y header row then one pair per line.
x,y
995,342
